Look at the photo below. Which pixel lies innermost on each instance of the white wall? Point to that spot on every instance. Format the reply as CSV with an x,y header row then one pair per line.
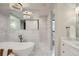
x,y
3,28
65,16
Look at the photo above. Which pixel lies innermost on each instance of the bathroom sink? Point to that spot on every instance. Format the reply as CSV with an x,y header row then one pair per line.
x,y
19,49
75,43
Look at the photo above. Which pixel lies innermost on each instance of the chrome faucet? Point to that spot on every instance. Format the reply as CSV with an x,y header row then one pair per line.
x,y
21,38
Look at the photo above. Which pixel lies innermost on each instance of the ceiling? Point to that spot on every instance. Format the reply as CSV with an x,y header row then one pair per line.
x,y
38,9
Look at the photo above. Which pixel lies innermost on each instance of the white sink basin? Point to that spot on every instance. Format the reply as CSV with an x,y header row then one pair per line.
x,y
19,49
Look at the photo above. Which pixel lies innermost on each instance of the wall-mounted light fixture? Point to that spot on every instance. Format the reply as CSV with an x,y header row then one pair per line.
x,y
16,6
27,14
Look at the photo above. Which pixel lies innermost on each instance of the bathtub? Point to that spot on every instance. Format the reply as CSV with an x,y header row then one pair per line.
x,y
19,49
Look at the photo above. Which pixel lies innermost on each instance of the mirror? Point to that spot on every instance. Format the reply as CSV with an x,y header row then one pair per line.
x,y
23,24
29,24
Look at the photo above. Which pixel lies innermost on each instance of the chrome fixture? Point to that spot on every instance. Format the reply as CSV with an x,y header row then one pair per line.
x,y
21,38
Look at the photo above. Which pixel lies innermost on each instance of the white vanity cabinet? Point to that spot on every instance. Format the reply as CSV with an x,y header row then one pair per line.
x,y
68,48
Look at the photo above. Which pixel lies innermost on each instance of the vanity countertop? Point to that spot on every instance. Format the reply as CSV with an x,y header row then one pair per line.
x,y
73,43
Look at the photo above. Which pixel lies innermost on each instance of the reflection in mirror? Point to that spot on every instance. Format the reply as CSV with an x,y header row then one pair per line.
x,y
23,24
77,21
29,24
32,24
14,23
